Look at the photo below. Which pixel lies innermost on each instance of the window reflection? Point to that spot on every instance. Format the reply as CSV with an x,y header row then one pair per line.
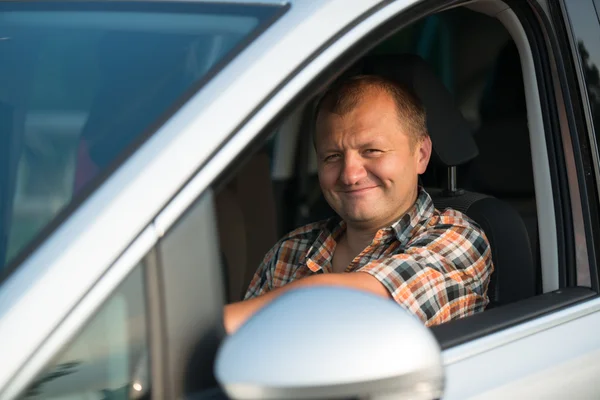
x,y
83,83
584,22
592,78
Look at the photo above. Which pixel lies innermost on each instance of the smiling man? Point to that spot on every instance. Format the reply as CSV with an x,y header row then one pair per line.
x,y
388,239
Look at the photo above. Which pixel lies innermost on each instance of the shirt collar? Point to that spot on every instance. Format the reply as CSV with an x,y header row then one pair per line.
x,y
422,209
320,253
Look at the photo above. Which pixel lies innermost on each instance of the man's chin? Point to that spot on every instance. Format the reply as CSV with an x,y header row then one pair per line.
x,y
356,212
365,218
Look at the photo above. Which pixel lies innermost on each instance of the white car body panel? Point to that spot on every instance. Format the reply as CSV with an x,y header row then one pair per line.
x,y
522,361
519,362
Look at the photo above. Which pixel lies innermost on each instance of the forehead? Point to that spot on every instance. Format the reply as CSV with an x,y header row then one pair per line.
x,y
346,99
374,115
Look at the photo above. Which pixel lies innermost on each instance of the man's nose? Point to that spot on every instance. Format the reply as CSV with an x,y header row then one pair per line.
x,y
353,170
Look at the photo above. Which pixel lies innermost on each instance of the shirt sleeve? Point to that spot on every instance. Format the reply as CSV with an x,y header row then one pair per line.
x,y
443,273
261,282
278,266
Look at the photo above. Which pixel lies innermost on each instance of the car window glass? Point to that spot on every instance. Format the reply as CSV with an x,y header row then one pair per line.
x,y
80,85
431,38
109,358
585,26
584,19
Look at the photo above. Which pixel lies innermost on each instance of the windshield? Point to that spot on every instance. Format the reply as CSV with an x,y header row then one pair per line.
x,y
84,83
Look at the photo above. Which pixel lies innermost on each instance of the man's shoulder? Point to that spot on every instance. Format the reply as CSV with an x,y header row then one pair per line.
x,y
433,217
451,229
293,246
451,217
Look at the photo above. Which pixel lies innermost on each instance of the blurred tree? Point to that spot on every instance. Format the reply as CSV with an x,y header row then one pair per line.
x,y
592,78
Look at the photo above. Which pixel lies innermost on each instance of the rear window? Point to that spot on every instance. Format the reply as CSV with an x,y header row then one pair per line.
x,y
84,83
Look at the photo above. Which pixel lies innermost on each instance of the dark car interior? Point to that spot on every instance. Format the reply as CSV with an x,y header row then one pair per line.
x,y
477,120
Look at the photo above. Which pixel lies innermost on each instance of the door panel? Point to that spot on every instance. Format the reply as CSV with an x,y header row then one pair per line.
x,y
550,358
574,379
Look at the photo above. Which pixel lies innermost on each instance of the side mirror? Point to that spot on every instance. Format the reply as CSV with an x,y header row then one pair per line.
x,y
330,342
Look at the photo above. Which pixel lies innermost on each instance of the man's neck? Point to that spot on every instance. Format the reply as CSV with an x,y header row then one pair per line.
x,y
359,237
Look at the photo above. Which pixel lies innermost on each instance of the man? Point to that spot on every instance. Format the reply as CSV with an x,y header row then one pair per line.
x,y
372,144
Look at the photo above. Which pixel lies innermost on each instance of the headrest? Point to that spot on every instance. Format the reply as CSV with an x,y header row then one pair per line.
x,y
506,143
504,95
450,133
504,134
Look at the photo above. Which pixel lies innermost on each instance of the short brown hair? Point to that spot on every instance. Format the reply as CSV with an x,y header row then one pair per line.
x,y
343,97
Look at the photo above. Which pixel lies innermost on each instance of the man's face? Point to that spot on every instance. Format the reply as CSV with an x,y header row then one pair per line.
x,y
368,163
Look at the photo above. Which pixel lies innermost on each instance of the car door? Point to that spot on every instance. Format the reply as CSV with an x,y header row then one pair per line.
x,y
99,295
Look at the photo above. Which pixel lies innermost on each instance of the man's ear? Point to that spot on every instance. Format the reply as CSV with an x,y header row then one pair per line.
x,y
423,150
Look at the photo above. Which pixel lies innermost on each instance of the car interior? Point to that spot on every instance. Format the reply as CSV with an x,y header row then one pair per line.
x,y
466,68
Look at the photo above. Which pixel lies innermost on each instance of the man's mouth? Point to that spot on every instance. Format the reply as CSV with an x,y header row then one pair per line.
x,y
358,191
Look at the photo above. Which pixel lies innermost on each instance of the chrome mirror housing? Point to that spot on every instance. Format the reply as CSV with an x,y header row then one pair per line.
x,y
331,342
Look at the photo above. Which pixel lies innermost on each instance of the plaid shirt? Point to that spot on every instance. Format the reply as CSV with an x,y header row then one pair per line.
x,y
435,264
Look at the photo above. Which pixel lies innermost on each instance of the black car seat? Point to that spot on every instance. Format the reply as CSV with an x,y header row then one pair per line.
x,y
453,145
504,135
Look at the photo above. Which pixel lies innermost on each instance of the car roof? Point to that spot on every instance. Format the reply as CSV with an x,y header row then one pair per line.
x,y
268,2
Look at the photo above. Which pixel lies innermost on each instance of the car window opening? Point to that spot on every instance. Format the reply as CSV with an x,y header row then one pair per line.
x,y
278,189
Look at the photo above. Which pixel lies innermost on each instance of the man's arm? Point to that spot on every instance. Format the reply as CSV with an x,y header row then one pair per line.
x,y
237,313
442,275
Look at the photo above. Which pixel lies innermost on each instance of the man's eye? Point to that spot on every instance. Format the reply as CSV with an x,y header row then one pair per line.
x,y
372,151
332,157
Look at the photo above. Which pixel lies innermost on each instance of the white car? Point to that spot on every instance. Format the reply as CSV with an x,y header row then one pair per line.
x,y
151,152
